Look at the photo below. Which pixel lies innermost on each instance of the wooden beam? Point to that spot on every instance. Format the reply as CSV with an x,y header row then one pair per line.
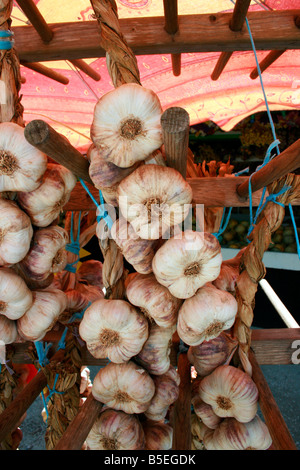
x,y
87,69
270,58
36,19
46,71
172,27
198,33
181,410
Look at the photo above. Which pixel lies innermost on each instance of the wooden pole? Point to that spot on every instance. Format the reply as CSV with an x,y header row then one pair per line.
x,y
87,69
46,71
181,412
172,26
36,19
286,162
266,62
281,437
42,136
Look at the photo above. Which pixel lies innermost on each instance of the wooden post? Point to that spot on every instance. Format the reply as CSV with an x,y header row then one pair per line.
x,y
181,412
36,19
172,26
46,71
266,62
42,136
87,69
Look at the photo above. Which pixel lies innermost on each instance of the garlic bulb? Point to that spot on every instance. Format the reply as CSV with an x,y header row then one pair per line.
x,y
203,316
154,199
45,203
198,431
110,195
8,330
153,299
127,123
15,297
166,393
15,233
204,411
90,273
231,392
21,165
208,355
47,306
113,329
47,253
155,354
116,430
233,435
104,173
227,278
158,435
126,387
186,263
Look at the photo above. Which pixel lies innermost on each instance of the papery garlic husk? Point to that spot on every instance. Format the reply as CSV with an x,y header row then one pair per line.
x,y
47,253
47,306
158,435
45,203
114,329
155,354
104,173
198,431
85,381
116,430
154,199
153,299
8,330
127,387
231,392
90,272
233,435
15,297
166,393
186,262
205,315
156,158
127,123
208,355
21,165
137,252
15,233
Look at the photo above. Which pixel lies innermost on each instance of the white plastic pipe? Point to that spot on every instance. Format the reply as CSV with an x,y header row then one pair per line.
x,y
278,305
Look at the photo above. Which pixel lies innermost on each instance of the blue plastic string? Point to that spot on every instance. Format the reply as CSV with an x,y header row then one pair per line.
x,y
102,213
295,229
6,45
74,246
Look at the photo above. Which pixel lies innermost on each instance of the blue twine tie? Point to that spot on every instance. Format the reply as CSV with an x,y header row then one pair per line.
x,y
102,214
74,246
6,41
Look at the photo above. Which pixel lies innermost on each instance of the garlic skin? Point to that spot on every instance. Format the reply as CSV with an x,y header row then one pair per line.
x,y
110,195
205,412
198,431
186,263
233,435
203,316
127,123
137,252
208,355
158,435
116,430
113,329
166,393
153,299
231,393
21,165
47,306
15,233
227,278
45,203
15,297
126,387
47,253
8,330
155,354
154,199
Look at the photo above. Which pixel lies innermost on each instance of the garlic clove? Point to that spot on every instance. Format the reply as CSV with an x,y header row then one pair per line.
x,y
127,123
154,198
187,262
205,315
158,435
153,299
231,393
8,331
126,387
45,203
113,329
15,297
21,165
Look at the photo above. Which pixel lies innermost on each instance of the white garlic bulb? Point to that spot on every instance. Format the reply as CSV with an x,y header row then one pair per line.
x,y
126,387
47,306
116,430
127,122
15,233
203,410
166,393
231,392
15,297
233,435
158,435
154,199
47,253
205,315
187,262
114,329
8,330
153,299
45,203
21,165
